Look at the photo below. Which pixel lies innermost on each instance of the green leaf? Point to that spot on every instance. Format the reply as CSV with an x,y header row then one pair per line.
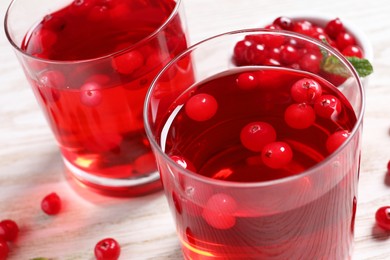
x,y
332,65
362,66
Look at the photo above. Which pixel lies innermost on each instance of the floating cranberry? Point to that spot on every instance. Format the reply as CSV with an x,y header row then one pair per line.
x,y
52,79
247,80
4,249
353,51
327,106
186,164
107,249
90,94
201,107
45,39
277,155
336,139
254,136
219,211
344,40
299,116
382,217
9,230
51,204
284,22
129,62
334,27
306,90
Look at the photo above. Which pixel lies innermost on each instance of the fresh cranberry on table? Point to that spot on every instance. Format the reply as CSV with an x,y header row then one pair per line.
x,y
107,249
51,204
9,230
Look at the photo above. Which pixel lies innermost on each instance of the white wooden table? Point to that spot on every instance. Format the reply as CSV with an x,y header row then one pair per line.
x,y
30,165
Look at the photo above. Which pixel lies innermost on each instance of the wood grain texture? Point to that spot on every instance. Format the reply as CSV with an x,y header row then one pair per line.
x,y
30,165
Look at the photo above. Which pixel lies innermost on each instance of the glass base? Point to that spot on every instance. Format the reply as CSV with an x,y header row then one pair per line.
x,y
131,187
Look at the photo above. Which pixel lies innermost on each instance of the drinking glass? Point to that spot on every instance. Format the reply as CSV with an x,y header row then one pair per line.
x,y
89,63
290,194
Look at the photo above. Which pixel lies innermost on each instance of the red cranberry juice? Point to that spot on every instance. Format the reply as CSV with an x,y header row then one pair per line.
x,y
307,218
94,105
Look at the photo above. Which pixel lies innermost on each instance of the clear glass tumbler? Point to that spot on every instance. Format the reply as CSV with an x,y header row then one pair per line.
x,y
259,151
89,63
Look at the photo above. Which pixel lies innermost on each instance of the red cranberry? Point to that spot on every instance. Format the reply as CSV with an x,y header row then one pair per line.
x,y
284,22
219,211
336,139
274,53
201,107
254,136
186,164
306,90
90,94
240,50
4,249
9,230
334,27
353,51
45,38
303,27
327,106
344,40
277,155
129,62
310,62
299,116
272,41
382,217
247,80
256,54
52,79
107,249
289,54
51,204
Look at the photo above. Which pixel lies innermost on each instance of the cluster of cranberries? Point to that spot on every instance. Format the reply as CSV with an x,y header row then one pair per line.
x,y
9,231
309,103
277,50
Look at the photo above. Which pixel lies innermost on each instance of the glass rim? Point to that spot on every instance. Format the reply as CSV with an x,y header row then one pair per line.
x,y
233,184
149,37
